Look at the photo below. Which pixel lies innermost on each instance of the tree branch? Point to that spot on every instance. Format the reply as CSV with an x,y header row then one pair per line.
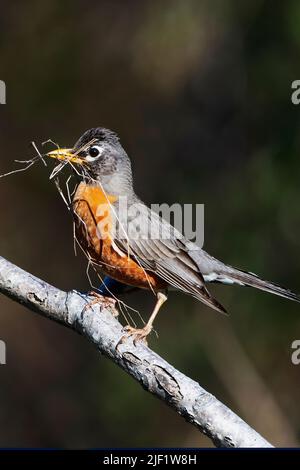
x,y
101,327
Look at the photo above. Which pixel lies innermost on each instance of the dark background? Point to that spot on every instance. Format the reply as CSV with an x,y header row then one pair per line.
x,y
199,92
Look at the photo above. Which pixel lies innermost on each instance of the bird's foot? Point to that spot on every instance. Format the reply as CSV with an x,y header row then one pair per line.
x,y
104,302
137,334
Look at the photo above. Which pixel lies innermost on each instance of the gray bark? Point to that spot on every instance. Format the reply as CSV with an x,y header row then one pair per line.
x,y
100,326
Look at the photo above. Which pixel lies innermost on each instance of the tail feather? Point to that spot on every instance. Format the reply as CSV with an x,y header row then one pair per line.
x,y
235,276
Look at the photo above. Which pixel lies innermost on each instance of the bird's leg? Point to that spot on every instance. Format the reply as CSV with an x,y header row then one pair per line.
x,y
141,334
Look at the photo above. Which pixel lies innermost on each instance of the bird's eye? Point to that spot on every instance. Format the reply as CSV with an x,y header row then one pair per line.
x,y
94,152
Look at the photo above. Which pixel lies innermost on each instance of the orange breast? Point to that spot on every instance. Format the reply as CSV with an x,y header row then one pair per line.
x,y
94,223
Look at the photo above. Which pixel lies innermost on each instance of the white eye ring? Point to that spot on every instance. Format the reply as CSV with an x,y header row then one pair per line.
x,y
97,153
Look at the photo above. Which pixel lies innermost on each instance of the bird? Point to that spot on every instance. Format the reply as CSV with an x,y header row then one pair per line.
x,y
136,246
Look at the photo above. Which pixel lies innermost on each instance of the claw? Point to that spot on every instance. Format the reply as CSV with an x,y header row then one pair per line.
x,y
138,334
105,302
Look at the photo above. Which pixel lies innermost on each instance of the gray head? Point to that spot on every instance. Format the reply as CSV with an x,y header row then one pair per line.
x,y
100,158
104,159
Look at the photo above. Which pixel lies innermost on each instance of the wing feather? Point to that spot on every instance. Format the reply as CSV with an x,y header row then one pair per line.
x,y
165,252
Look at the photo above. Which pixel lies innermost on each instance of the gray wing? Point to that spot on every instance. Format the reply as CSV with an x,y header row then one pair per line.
x,y
158,247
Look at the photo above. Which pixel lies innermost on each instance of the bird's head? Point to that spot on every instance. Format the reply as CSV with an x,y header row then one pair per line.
x,y
99,157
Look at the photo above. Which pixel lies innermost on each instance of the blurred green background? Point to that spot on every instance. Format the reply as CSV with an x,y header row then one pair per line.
x,y
199,92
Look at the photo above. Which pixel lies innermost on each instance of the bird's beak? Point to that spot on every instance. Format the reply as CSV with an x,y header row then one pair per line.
x,y
65,155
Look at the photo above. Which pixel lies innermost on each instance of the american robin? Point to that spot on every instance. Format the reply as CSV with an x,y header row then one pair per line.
x,y
135,246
